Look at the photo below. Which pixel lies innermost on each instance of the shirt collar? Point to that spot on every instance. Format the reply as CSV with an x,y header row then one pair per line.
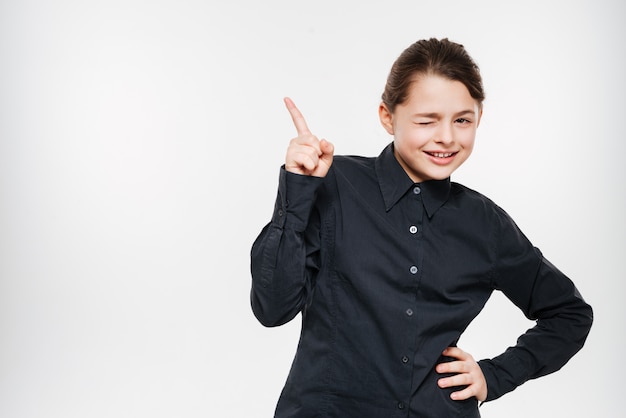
x,y
394,183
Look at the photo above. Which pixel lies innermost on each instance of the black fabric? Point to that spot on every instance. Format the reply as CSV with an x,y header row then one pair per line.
x,y
387,274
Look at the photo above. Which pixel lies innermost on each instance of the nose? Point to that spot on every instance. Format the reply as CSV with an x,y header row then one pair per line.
x,y
444,134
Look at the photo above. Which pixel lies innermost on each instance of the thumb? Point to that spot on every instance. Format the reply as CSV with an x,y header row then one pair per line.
x,y
328,150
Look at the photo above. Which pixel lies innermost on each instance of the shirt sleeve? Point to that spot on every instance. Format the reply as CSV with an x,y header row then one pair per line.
x,y
544,294
285,255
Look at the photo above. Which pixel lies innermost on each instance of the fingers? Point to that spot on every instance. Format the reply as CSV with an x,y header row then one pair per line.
x,y
466,372
302,158
327,150
456,352
296,116
307,154
464,394
460,379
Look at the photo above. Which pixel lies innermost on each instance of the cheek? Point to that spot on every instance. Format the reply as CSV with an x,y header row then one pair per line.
x,y
413,137
467,139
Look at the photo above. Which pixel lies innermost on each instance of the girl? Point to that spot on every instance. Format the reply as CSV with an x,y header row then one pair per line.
x,y
389,261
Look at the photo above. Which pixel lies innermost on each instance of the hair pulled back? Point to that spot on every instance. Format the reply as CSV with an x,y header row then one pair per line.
x,y
432,57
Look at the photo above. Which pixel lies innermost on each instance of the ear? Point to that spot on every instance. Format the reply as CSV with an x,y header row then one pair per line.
x,y
480,116
386,118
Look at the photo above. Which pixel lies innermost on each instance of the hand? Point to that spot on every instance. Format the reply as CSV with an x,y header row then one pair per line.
x,y
469,374
306,154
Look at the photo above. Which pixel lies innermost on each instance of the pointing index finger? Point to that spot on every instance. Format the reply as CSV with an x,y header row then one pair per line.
x,y
296,116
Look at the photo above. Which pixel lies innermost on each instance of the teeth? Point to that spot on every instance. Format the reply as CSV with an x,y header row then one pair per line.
x,y
442,154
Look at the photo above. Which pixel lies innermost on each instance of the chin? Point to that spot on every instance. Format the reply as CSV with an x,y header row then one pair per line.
x,y
441,176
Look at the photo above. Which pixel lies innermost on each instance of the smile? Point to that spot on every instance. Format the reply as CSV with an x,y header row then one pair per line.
x,y
441,154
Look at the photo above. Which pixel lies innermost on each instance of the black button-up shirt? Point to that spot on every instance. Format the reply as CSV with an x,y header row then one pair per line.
x,y
387,274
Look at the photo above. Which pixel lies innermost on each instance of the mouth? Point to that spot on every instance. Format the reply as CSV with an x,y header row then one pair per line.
x,y
441,154
441,157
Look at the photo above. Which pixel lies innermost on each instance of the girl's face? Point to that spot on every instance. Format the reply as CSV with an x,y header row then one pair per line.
x,y
434,129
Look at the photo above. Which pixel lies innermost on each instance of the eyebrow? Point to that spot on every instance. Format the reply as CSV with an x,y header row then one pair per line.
x,y
435,115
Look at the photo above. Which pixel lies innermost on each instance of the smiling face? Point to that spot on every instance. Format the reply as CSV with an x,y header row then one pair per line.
x,y
434,128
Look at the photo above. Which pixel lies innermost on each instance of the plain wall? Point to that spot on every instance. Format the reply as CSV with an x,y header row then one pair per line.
x,y
140,143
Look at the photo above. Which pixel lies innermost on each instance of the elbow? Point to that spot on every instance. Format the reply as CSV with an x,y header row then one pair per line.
x,y
269,322
267,319
584,315
579,322
588,319
269,315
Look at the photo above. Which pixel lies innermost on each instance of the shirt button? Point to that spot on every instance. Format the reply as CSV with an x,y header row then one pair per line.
x,y
413,229
413,270
405,359
417,190
409,312
280,212
400,405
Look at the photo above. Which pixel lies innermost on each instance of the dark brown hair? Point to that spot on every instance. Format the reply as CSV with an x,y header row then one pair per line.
x,y
432,57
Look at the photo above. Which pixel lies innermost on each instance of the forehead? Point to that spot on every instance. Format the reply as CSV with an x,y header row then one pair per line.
x,y
436,92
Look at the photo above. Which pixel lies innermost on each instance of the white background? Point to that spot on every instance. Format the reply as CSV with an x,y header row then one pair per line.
x,y
140,143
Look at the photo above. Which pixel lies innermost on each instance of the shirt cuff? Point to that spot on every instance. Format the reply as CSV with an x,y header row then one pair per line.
x,y
503,374
296,197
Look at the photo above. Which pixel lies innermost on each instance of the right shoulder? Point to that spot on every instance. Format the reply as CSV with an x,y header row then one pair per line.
x,y
349,165
352,172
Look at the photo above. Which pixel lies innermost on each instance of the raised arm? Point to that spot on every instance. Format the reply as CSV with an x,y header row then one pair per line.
x,y
285,255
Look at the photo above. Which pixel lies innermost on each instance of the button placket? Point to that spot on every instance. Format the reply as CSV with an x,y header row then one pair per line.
x,y
414,226
412,231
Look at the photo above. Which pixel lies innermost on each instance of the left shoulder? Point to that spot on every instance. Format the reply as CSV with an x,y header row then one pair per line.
x,y
470,196
474,201
479,206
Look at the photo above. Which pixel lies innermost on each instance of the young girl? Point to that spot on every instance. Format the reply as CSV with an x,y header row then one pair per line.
x,y
389,261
